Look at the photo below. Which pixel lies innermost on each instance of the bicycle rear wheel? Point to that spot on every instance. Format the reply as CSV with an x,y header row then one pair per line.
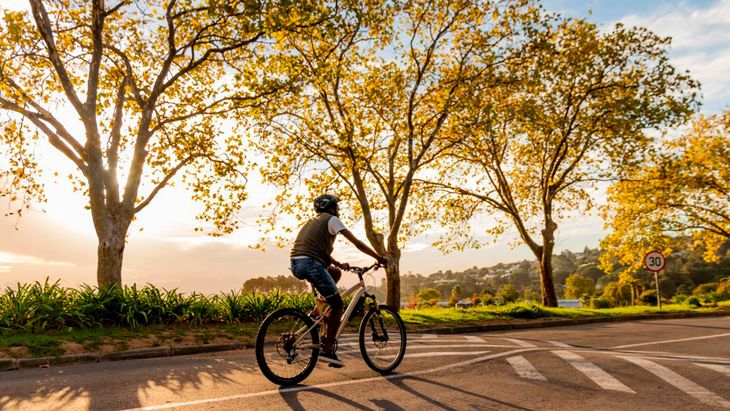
x,y
287,346
382,339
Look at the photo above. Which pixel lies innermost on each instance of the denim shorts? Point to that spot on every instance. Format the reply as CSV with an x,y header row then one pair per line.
x,y
313,271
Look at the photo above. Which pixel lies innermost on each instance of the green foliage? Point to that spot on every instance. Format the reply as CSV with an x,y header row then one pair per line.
x,y
455,296
680,298
648,297
487,298
507,294
617,294
427,295
694,301
576,286
600,302
41,307
704,289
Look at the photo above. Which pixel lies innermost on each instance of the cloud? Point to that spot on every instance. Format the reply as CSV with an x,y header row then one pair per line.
x,y
12,258
700,44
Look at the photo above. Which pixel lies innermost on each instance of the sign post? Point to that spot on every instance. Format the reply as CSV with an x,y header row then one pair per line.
x,y
654,261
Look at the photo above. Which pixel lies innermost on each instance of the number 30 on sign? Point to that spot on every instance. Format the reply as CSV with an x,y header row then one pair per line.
x,y
654,261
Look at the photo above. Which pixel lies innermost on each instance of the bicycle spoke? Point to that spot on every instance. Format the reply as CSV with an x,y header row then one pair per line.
x,y
383,340
287,346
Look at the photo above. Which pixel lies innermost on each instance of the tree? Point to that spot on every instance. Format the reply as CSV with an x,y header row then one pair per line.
x,y
617,293
428,294
571,112
681,191
455,296
146,86
507,294
576,286
370,119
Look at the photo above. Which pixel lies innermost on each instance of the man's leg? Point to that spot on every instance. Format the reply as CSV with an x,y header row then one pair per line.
x,y
335,272
333,322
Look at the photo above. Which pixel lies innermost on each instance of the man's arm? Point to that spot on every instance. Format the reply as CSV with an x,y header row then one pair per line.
x,y
362,246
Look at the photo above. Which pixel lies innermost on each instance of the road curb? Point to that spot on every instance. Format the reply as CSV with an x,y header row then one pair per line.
x,y
9,364
547,322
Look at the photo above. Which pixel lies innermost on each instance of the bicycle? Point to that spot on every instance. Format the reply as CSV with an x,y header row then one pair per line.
x,y
288,340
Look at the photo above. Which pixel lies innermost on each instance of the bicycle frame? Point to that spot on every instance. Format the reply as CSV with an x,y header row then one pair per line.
x,y
359,290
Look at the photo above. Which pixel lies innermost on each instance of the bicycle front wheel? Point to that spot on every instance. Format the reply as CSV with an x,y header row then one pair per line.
x,y
287,346
382,339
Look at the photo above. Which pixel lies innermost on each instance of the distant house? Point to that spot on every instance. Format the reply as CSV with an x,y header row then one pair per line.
x,y
570,303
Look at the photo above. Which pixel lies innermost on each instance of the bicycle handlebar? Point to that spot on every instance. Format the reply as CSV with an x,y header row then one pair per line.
x,y
362,270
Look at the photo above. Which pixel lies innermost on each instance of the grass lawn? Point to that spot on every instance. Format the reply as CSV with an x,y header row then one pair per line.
x,y
470,316
107,339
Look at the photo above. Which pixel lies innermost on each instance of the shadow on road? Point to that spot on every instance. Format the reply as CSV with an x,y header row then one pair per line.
x,y
484,401
113,385
404,383
292,399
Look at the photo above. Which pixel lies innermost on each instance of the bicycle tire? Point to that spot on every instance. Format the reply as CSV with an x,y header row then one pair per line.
x,y
372,322
261,336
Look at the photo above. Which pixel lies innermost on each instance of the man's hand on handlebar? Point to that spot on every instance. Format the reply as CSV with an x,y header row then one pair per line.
x,y
344,266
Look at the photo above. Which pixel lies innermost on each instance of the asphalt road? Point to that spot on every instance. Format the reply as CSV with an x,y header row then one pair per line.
x,y
648,365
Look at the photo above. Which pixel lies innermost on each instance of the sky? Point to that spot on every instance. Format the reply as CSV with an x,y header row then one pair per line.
x,y
57,239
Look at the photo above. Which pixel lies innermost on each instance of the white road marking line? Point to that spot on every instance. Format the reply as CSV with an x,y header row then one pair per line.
x,y
417,343
473,338
724,369
671,341
560,344
420,347
689,387
445,354
520,342
592,371
328,385
672,356
524,369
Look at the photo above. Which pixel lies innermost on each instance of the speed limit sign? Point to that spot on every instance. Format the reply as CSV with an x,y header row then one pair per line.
x,y
654,261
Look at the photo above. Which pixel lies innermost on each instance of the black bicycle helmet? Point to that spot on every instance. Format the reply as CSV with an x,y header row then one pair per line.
x,y
326,203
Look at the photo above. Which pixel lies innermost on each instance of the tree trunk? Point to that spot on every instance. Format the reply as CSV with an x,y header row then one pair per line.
x,y
547,287
392,275
110,252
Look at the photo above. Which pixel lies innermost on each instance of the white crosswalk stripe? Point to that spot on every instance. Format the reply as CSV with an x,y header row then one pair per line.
x,y
560,344
702,394
592,371
473,338
520,343
524,369
724,369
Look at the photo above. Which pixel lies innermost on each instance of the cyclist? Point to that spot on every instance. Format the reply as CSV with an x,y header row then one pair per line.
x,y
311,260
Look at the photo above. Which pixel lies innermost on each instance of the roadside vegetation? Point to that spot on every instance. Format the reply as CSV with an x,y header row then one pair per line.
x,y
46,319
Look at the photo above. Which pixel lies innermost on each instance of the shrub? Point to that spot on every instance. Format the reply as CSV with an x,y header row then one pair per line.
x,y
600,302
428,294
705,288
693,301
648,297
507,294
455,296
487,298
723,288
617,294
680,298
